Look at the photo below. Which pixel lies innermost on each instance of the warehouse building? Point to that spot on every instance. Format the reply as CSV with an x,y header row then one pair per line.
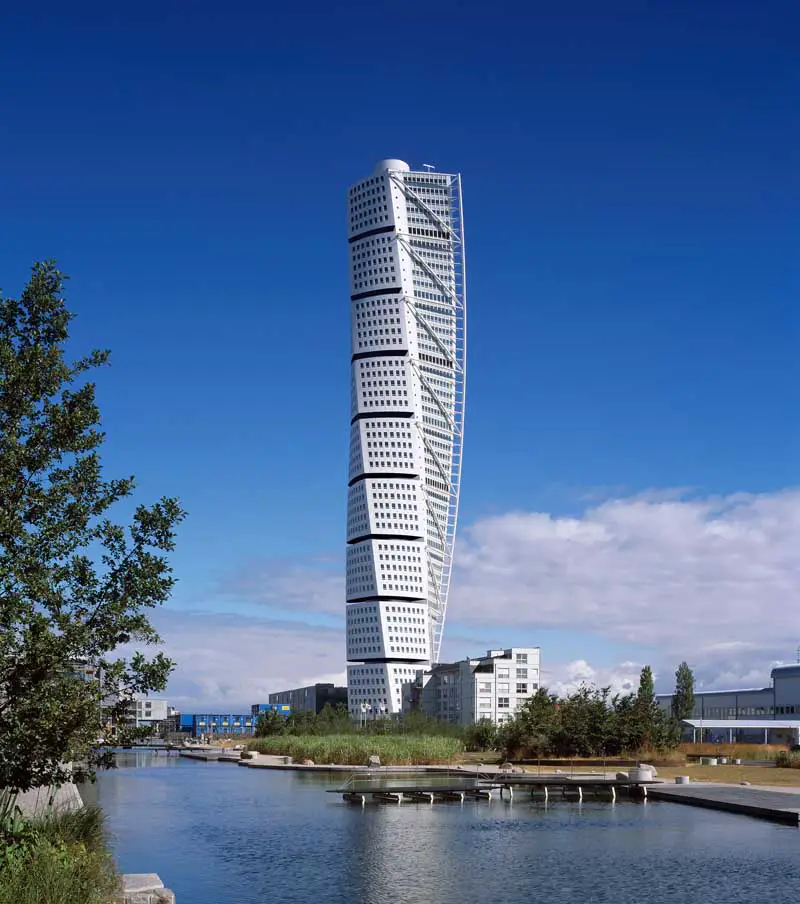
x,y
749,707
313,698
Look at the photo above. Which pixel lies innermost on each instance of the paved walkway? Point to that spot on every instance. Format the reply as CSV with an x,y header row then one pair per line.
x,y
777,804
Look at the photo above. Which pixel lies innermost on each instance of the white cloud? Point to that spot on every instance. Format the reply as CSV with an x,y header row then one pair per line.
x,y
712,580
565,678
289,585
228,662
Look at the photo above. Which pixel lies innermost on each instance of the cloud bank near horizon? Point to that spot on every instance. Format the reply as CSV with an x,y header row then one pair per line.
x,y
713,580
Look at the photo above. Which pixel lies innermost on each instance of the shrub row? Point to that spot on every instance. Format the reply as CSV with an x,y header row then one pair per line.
x,y
788,759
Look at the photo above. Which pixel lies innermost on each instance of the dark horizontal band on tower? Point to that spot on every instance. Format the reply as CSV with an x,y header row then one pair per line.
x,y
386,599
365,235
390,661
389,290
364,416
383,353
410,537
383,475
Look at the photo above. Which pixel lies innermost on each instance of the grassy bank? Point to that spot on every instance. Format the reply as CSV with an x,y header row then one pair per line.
x,y
57,859
354,750
734,775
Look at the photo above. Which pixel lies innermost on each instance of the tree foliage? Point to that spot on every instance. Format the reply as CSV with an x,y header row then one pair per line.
x,y
589,722
482,735
74,584
646,694
683,698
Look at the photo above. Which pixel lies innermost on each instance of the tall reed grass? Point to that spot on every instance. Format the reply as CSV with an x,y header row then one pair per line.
x,y
354,750
61,858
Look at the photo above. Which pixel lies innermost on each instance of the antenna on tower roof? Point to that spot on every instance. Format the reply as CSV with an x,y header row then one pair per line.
x,y
428,166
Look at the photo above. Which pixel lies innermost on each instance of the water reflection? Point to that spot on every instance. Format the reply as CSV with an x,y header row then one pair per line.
x,y
219,833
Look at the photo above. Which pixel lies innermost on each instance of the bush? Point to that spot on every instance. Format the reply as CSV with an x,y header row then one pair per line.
x,y
788,759
60,858
58,874
481,736
353,750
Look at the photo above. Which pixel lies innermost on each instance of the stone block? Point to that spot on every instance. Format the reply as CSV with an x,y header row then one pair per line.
x,y
37,801
138,882
145,888
158,896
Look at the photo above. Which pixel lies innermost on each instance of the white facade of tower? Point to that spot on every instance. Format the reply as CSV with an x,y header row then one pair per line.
x,y
408,346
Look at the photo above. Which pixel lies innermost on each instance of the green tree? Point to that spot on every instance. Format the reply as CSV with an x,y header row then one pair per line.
x,y
302,722
647,711
585,723
683,698
335,720
646,694
532,729
74,585
270,723
482,735
626,730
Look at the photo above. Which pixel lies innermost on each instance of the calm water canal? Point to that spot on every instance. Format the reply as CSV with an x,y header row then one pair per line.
x,y
221,834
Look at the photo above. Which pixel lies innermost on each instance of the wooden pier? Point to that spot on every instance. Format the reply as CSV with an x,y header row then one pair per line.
x,y
359,791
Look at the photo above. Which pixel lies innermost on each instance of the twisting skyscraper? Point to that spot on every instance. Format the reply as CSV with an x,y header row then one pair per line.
x,y
408,327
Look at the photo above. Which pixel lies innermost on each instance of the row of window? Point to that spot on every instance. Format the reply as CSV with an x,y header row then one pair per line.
x,y
733,712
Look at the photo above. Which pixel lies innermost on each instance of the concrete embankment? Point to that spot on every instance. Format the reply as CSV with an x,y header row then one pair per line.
x,y
38,801
760,802
269,761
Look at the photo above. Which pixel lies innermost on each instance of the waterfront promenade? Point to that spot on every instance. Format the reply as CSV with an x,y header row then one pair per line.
x,y
762,802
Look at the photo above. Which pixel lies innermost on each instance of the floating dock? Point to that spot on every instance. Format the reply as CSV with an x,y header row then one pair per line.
x,y
574,786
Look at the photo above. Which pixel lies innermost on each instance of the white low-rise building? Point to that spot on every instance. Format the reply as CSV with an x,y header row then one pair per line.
x,y
492,687
148,711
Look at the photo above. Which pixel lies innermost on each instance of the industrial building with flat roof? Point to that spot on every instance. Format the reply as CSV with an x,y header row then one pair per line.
x,y
313,698
224,724
743,711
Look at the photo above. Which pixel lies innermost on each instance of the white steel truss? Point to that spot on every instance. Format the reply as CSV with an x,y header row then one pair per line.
x,y
456,294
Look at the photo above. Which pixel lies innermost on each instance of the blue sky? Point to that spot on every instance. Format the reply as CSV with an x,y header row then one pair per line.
x,y
631,188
